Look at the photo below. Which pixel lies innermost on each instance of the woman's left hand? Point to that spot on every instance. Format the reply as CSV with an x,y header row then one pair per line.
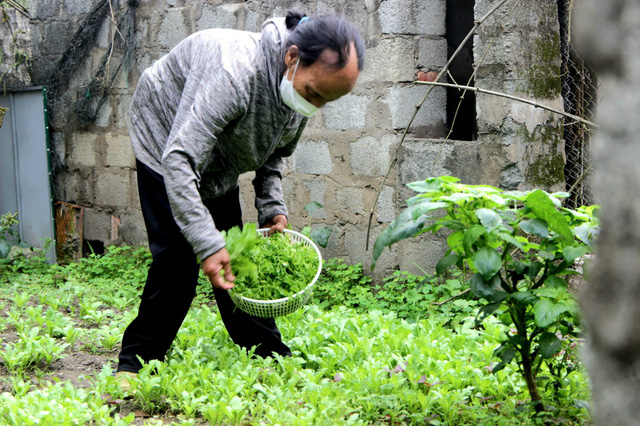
x,y
277,224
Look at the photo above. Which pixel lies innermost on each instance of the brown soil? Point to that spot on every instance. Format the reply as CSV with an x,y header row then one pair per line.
x,y
80,368
77,367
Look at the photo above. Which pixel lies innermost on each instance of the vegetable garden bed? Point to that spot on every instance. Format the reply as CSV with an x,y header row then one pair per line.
x,y
360,364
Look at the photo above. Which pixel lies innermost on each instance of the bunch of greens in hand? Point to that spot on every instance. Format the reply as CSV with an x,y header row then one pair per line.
x,y
268,268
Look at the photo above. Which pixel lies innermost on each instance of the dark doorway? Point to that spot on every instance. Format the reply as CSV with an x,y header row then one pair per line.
x,y
461,111
92,247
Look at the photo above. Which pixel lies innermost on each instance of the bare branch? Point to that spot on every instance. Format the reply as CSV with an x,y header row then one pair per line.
x,y
18,7
513,98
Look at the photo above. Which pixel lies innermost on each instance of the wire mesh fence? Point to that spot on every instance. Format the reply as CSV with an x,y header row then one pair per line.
x,y
579,90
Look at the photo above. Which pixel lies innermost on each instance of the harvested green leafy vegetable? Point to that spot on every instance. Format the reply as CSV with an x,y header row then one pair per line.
x,y
268,268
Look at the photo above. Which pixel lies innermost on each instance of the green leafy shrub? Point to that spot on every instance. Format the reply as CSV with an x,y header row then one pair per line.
x,y
522,247
409,296
125,262
341,284
7,234
15,254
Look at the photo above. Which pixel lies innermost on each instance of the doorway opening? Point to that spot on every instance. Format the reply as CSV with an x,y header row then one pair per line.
x,y
461,105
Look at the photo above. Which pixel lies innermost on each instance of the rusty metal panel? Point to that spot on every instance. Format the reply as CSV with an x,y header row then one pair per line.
x,y
69,232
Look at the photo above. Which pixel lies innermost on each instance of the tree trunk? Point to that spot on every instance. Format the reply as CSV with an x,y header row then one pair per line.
x,y
607,34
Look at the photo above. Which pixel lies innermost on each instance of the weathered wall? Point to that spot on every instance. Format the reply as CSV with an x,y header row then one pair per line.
x,y
607,32
517,51
15,50
348,147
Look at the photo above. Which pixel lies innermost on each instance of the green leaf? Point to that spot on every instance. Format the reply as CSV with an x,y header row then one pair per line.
x,y
489,219
5,249
454,225
425,207
487,261
553,293
549,345
427,185
400,229
455,240
546,312
572,253
515,195
313,206
544,208
555,282
533,270
520,267
537,227
499,366
486,289
524,297
586,233
485,311
447,261
505,353
505,236
546,255
448,179
321,235
379,245
472,235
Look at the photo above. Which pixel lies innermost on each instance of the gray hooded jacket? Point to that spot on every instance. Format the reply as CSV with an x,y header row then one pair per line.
x,y
210,110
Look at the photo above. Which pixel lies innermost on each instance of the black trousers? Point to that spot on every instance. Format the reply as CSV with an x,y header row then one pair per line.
x,y
172,279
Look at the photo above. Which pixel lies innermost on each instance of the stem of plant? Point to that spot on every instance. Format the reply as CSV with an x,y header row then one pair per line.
x,y
453,297
527,361
530,379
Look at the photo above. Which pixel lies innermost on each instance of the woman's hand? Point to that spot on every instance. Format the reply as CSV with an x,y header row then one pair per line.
x,y
277,224
212,265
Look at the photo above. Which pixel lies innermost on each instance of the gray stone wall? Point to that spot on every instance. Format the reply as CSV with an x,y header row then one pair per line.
x,y
15,50
347,147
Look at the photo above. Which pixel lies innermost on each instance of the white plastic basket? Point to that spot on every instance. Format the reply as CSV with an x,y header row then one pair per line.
x,y
286,305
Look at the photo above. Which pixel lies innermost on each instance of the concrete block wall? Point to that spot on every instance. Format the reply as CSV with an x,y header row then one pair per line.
x,y
346,149
517,51
93,163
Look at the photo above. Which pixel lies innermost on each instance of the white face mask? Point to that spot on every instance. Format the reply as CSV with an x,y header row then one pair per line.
x,y
292,98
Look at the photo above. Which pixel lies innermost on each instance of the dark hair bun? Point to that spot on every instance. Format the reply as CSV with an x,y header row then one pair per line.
x,y
323,32
293,18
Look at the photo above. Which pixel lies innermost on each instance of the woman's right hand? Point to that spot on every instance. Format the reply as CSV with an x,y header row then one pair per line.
x,y
212,265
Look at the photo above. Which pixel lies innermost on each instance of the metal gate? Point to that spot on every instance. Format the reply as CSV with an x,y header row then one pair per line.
x,y
25,171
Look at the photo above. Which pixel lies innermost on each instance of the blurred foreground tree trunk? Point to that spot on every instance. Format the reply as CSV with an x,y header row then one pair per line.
x,y
608,35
